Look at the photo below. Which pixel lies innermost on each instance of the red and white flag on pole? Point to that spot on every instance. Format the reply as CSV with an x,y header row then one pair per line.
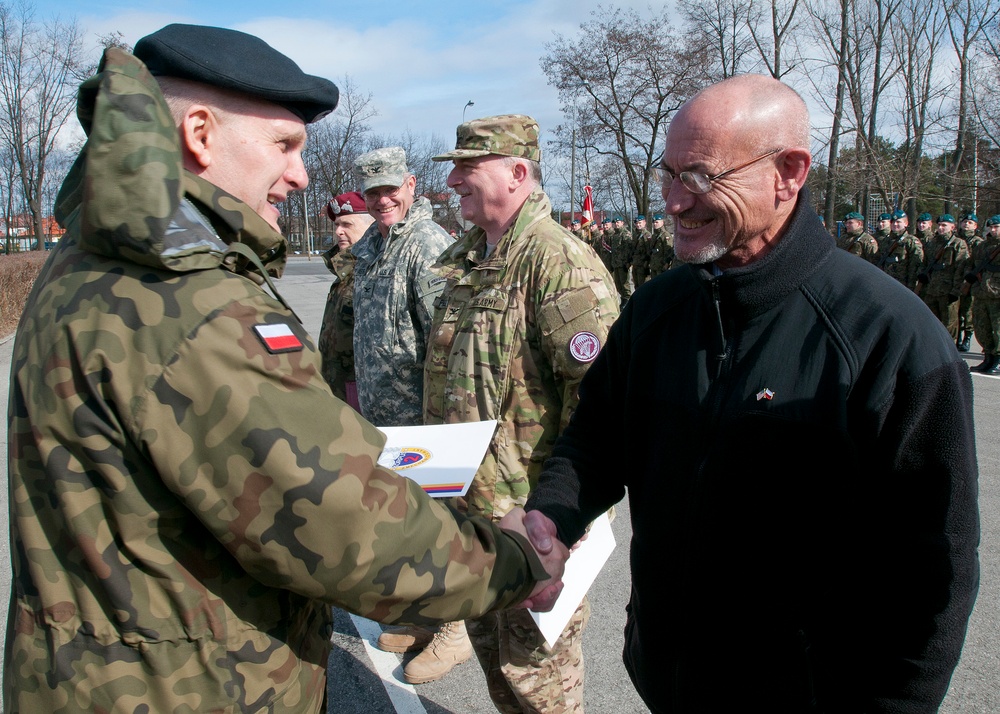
x,y
588,206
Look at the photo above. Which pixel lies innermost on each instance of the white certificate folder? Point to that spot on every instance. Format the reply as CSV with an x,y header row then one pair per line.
x,y
442,458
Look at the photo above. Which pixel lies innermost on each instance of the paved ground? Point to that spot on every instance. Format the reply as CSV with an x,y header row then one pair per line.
x,y
363,680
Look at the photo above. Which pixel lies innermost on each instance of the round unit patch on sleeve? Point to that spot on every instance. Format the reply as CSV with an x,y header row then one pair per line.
x,y
584,346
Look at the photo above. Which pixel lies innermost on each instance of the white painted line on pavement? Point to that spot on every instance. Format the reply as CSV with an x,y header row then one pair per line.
x,y
402,695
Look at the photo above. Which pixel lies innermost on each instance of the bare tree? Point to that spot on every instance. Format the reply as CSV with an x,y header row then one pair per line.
x,y
39,69
720,28
631,75
772,25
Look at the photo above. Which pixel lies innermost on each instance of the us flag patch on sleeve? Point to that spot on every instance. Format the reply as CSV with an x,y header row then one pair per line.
x,y
278,338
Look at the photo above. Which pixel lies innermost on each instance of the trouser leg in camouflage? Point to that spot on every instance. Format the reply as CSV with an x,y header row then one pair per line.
x,y
986,322
525,675
946,312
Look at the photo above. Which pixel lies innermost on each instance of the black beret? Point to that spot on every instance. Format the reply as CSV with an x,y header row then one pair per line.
x,y
235,60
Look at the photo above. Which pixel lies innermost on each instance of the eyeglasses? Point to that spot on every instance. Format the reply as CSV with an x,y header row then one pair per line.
x,y
697,182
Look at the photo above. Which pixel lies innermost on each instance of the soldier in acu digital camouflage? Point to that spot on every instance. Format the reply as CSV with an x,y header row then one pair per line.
x,y
901,255
968,231
856,239
394,295
525,310
187,497
336,336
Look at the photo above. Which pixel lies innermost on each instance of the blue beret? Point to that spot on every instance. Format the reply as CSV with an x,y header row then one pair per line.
x,y
619,218
606,220
854,216
970,217
657,216
885,216
239,62
896,215
993,220
925,217
946,218
640,217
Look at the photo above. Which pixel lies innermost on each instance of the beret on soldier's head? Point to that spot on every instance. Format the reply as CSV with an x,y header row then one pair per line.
x,y
885,216
657,216
993,220
925,217
946,218
606,222
970,217
896,215
576,221
640,217
854,216
239,62
346,204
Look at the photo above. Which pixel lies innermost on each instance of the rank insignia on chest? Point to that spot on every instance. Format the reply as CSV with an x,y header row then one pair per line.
x,y
584,346
278,338
766,394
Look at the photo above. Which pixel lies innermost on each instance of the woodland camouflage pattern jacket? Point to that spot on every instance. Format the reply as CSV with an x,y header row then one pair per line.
x,y
186,503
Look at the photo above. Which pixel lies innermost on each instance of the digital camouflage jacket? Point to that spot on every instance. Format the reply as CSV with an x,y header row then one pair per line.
x,y
394,294
513,335
187,497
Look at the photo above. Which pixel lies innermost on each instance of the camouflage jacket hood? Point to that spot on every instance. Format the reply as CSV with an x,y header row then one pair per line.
x,y
129,195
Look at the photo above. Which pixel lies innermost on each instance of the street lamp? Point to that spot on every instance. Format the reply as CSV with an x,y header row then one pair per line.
x,y
572,155
467,105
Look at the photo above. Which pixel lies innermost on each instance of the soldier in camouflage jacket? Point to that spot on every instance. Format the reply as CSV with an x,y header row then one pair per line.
x,y
524,312
187,497
940,281
983,283
394,290
661,250
901,255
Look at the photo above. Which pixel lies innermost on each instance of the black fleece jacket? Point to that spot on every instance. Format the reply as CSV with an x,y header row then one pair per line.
x,y
797,444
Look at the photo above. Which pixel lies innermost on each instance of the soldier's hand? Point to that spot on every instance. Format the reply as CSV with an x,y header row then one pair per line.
x,y
541,533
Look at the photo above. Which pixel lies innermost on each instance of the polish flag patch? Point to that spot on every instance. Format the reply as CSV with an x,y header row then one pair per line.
x,y
278,338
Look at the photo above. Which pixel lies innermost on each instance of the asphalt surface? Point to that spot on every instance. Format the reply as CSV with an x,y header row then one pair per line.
x,y
364,680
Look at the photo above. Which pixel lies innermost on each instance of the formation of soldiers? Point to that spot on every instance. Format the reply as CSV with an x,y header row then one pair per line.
x,y
950,265
632,257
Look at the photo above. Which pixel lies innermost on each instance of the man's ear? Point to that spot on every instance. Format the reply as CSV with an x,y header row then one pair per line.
x,y
199,132
793,168
519,174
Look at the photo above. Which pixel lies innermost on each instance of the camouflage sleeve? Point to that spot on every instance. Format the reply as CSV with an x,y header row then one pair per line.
x,y
915,264
424,283
575,311
284,476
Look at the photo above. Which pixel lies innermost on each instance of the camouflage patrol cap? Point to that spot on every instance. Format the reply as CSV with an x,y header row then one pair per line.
x,y
854,216
503,135
234,60
993,220
946,218
381,167
924,217
896,215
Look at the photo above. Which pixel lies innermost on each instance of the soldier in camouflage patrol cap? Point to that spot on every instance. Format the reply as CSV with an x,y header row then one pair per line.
x,y
525,310
394,289
336,335
856,239
187,497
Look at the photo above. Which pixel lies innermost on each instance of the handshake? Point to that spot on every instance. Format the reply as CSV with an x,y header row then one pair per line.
x,y
541,532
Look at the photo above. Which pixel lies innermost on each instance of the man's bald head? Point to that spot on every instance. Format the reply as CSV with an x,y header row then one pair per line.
x,y
740,150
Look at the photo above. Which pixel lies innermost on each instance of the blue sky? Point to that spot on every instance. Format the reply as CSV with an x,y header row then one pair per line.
x,y
420,61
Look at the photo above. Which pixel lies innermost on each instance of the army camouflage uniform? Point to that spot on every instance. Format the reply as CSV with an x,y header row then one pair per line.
x,y
602,245
661,252
925,237
902,257
336,335
621,244
641,255
394,294
862,245
944,269
513,335
984,275
187,503
972,241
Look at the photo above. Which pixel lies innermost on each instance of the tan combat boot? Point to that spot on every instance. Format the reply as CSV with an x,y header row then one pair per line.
x,y
449,647
405,639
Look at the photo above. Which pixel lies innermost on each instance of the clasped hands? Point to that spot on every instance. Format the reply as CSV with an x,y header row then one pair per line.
x,y
541,533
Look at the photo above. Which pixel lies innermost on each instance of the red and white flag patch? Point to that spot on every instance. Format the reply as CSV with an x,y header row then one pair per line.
x,y
278,338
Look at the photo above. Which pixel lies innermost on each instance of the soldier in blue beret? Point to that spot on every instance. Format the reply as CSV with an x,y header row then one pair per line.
x,y
982,281
901,255
940,280
883,227
968,231
856,239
